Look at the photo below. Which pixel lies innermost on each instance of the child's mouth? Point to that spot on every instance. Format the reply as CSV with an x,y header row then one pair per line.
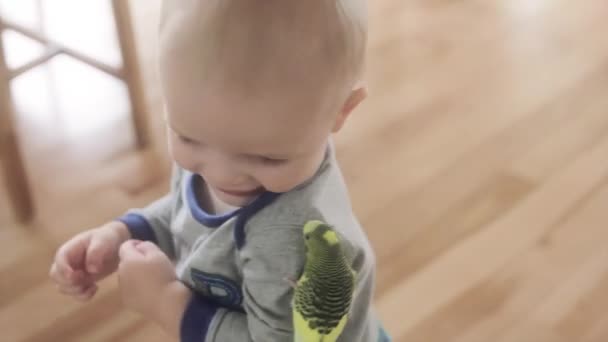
x,y
242,193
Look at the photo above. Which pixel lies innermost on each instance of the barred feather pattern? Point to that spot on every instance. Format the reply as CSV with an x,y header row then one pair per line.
x,y
324,295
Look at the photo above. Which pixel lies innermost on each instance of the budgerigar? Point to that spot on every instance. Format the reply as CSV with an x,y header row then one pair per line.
x,y
324,292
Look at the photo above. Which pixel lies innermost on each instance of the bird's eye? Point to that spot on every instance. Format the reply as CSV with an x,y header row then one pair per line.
x,y
307,237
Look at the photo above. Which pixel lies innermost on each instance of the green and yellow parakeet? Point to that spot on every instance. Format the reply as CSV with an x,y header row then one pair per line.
x,y
324,292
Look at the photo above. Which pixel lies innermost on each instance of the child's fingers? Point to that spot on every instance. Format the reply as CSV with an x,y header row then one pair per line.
x,y
77,280
147,248
128,250
87,294
61,266
62,273
58,276
75,290
54,273
71,256
95,255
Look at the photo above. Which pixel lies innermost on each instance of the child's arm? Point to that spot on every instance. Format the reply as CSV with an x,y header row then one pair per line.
x,y
152,223
175,300
148,285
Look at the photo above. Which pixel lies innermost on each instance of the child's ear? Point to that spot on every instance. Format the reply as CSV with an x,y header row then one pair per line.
x,y
354,99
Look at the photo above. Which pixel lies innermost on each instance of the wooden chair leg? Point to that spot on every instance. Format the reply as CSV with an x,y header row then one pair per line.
x,y
16,183
131,71
17,186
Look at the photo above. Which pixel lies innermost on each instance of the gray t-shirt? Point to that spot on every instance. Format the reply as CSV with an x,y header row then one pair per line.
x,y
236,263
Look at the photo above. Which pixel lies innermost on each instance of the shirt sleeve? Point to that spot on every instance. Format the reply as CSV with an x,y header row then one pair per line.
x,y
270,255
153,222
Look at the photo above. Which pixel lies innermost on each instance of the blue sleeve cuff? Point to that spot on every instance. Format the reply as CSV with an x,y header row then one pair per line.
x,y
197,318
139,227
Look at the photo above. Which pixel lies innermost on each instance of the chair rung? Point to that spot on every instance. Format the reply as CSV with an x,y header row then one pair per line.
x,y
116,72
50,53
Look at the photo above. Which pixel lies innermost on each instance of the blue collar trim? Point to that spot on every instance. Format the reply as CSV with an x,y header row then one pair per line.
x,y
214,221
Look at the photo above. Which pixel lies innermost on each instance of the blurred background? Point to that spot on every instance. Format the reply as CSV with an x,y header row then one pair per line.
x,y
478,166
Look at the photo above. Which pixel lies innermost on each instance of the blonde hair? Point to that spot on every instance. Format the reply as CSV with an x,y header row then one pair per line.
x,y
272,44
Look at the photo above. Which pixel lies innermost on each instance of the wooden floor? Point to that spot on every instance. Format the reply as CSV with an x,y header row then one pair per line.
x,y
479,167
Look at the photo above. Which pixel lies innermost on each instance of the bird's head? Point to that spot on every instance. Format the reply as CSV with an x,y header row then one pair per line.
x,y
320,236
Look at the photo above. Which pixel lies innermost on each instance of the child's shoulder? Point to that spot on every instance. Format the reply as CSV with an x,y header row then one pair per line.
x,y
324,198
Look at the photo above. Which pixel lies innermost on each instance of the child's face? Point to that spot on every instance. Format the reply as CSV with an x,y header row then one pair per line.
x,y
232,120
242,145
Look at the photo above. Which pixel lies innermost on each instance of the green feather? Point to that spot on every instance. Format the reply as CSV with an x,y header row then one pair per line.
x,y
324,292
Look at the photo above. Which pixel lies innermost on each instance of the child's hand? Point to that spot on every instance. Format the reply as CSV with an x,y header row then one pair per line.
x,y
145,273
87,258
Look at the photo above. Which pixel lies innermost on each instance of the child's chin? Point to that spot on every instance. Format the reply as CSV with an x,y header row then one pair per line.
x,y
235,201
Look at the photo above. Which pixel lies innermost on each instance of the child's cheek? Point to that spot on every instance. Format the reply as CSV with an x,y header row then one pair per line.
x,y
285,179
184,156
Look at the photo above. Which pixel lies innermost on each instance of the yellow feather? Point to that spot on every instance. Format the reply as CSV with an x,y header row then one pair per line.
x,y
303,333
331,237
311,225
333,336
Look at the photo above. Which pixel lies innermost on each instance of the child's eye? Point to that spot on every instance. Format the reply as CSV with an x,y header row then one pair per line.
x,y
271,161
186,140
